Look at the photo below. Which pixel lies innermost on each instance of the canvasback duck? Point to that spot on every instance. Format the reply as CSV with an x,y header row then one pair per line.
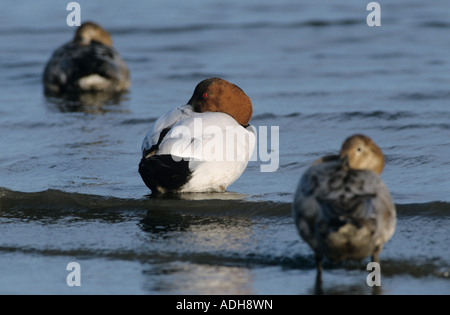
x,y
203,146
88,63
342,208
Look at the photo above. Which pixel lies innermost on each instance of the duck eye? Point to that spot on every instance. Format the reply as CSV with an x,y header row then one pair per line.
x,y
205,95
358,149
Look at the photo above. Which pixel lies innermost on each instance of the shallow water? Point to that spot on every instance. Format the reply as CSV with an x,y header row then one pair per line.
x,y
71,191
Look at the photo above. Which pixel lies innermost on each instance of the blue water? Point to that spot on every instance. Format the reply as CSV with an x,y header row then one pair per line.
x,y
71,191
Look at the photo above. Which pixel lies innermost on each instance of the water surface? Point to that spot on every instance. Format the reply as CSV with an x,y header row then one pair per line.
x,y
68,170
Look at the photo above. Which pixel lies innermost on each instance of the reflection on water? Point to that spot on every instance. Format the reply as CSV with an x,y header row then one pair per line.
x,y
345,289
192,278
193,234
200,196
209,246
350,282
92,103
195,248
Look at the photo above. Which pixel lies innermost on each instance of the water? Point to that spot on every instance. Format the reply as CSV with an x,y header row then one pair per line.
x,y
68,171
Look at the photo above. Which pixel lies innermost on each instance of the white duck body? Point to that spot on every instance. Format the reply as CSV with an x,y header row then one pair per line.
x,y
187,151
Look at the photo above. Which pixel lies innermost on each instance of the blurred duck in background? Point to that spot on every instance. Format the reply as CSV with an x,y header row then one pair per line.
x,y
88,63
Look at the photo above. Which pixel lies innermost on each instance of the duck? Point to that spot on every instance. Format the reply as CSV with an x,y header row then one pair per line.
x,y
88,63
342,209
202,146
